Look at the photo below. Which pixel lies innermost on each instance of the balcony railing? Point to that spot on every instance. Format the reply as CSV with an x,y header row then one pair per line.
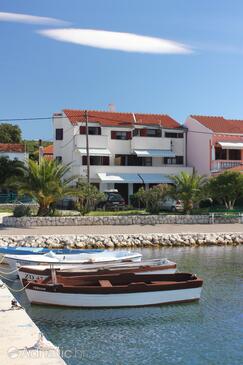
x,y
156,143
166,170
95,141
219,165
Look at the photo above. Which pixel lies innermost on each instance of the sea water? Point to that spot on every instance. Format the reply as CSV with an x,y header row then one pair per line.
x,y
209,332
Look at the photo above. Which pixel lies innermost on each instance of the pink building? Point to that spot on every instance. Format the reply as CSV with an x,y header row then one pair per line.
x,y
214,144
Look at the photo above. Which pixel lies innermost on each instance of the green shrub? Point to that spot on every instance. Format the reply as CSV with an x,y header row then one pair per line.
x,y
152,197
22,211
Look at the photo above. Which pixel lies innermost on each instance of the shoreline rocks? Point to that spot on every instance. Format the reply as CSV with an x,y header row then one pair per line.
x,y
124,240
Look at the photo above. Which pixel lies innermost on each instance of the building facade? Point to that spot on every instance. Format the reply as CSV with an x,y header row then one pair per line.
x,y
126,150
214,144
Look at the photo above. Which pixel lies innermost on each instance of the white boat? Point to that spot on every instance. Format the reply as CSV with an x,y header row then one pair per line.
x,y
42,272
14,261
122,290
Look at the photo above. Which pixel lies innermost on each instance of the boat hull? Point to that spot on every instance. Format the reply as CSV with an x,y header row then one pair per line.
x,y
113,300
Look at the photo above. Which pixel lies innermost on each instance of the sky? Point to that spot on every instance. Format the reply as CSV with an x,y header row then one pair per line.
x,y
176,57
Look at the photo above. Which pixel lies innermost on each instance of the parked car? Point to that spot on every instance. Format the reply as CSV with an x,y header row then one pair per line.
x,y
113,200
171,204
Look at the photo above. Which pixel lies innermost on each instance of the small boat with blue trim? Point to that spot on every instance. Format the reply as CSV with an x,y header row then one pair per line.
x,y
23,250
14,261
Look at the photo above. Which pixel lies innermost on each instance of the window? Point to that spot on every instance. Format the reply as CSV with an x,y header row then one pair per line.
x,y
96,160
132,160
220,154
59,159
178,160
153,132
234,154
91,130
147,132
173,135
59,134
122,135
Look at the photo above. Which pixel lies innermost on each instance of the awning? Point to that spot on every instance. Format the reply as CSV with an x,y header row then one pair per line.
x,y
119,178
134,178
154,153
95,151
155,179
231,145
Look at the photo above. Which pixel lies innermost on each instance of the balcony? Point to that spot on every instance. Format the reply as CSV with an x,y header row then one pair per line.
x,y
220,165
95,141
166,170
155,143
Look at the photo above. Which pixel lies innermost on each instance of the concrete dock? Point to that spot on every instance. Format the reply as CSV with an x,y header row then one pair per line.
x,y
20,339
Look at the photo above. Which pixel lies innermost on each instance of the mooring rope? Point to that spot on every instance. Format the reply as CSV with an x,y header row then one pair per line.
x,y
2,260
10,272
5,278
15,290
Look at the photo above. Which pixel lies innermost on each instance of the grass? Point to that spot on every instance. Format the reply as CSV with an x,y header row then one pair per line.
x,y
117,212
6,210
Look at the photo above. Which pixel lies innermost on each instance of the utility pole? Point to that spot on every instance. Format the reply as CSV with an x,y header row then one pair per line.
x,y
40,150
87,145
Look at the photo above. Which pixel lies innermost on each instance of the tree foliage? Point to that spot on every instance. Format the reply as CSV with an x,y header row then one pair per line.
x,y
45,182
10,133
190,189
226,187
88,196
9,168
152,197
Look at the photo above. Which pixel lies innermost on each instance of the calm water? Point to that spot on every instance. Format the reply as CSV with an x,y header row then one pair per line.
x,y
209,332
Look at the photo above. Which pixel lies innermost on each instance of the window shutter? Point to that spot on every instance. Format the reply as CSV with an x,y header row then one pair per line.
x,y
113,134
84,160
129,135
82,130
106,160
143,132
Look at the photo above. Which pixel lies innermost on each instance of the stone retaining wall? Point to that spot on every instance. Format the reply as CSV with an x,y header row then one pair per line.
x,y
13,205
116,220
124,240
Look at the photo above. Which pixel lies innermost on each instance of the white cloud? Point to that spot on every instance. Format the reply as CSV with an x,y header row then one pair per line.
x,y
127,42
30,19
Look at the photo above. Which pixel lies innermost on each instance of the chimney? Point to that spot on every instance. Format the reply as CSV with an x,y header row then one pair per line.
x,y
111,107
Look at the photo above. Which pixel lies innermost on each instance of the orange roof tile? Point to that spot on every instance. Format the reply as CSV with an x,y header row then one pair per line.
x,y
106,118
12,147
220,124
48,150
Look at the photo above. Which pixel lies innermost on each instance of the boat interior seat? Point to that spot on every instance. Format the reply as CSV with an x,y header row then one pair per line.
x,y
105,283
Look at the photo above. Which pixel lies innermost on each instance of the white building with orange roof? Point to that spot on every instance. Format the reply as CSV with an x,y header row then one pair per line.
x,y
127,150
14,151
214,144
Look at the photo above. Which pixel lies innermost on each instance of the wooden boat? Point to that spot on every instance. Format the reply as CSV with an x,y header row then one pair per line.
x,y
82,258
156,266
120,290
8,250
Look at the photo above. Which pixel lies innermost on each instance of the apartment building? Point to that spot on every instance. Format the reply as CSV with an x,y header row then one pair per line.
x,y
127,150
214,144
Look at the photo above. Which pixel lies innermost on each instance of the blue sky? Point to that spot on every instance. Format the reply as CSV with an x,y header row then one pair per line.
x,y
40,75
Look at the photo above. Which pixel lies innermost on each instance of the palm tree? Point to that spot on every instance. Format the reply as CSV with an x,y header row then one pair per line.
x,y
45,183
189,189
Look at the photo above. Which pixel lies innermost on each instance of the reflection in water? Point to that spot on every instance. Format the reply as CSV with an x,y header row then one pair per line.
x,y
207,332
